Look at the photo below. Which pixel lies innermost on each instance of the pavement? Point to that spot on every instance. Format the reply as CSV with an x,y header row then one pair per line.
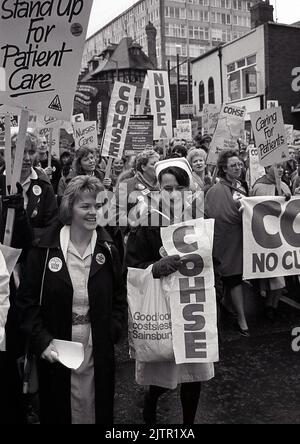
x,y
257,380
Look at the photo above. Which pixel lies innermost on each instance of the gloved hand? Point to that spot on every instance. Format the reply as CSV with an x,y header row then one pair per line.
x,y
166,266
14,201
287,197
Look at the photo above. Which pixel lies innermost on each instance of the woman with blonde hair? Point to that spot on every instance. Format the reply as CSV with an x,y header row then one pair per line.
x,y
197,159
76,293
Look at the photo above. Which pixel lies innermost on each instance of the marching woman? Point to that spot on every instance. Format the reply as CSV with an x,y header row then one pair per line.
x,y
223,203
76,293
266,186
144,247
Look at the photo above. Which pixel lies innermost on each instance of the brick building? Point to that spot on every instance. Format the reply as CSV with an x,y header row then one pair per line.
x,y
184,27
261,66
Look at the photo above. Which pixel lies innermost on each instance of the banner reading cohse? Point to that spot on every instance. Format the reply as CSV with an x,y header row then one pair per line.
x,y
230,128
121,107
192,293
271,237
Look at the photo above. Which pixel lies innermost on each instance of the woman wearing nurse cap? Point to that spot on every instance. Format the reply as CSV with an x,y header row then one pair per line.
x,y
144,247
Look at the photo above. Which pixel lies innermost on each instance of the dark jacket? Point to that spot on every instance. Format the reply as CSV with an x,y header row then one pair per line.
x,y
42,211
143,247
56,166
228,235
108,307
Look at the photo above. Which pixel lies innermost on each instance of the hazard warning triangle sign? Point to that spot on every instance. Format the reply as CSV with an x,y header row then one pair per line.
x,y
55,104
163,134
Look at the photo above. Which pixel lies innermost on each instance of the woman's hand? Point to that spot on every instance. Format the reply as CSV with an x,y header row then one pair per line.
x,y
50,354
166,266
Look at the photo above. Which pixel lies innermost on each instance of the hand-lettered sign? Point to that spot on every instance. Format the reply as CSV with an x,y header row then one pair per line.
x,y
41,52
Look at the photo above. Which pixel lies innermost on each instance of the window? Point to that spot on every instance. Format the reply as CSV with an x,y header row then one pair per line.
x,y
211,91
201,95
242,78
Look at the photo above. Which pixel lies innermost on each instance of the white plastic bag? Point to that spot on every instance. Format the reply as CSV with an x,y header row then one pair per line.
x,y
150,327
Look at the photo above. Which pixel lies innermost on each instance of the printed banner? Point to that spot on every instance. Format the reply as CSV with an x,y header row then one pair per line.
x,y
270,136
256,171
271,237
184,129
121,107
85,135
139,135
192,293
210,119
230,128
160,101
41,57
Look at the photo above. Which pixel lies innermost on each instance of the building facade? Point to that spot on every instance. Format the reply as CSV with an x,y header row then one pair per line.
x,y
184,27
262,66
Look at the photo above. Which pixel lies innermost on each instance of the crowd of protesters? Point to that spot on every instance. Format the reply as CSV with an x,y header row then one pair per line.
x,y
70,281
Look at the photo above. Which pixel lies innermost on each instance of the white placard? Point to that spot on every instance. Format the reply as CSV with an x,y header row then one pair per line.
x,y
160,101
41,53
192,293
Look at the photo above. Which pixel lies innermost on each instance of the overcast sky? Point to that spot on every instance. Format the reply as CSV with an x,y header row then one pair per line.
x,y
103,11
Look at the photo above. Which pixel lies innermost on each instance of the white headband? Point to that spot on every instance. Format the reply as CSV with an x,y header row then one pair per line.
x,y
181,163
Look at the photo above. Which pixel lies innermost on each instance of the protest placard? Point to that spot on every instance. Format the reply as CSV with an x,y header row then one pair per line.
x,y
184,129
230,128
52,136
192,293
160,101
42,53
139,135
121,107
270,136
85,135
210,119
256,171
271,229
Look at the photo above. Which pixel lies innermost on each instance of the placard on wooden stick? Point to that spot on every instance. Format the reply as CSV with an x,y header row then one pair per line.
x,y
18,162
7,153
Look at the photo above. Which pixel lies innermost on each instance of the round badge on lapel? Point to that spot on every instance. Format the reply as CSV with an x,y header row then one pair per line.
x,y
100,259
37,190
55,265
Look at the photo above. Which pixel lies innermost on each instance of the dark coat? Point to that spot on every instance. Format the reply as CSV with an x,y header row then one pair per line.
x,y
228,236
143,247
108,308
42,211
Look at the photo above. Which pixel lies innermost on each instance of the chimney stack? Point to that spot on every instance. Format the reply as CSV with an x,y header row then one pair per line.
x,y
261,12
151,37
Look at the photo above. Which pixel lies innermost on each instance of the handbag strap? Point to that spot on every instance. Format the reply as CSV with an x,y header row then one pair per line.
x,y
43,278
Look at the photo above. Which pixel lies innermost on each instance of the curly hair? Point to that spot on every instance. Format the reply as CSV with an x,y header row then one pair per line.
x,y
224,156
143,159
79,155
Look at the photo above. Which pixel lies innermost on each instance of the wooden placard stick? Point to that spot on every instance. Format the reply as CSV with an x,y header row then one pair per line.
x,y
278,182
18,162
214,176
8,153
109,167
50,146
